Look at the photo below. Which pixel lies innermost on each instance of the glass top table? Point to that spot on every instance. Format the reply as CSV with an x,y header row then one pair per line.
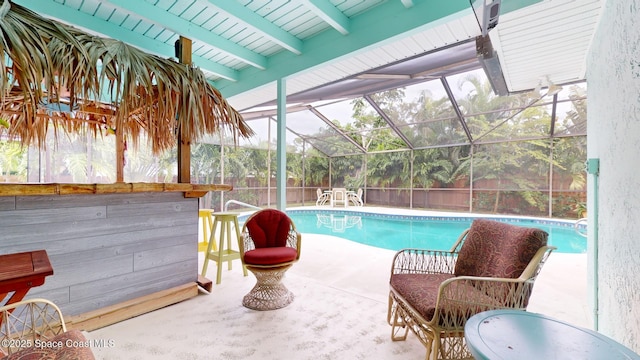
x,y
515,334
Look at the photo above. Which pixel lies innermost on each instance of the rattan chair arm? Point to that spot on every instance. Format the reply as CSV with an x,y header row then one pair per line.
x,y
246,242
529,274
535,265
422,261
469,295
458,244
461,297
501,292
24,322
294,240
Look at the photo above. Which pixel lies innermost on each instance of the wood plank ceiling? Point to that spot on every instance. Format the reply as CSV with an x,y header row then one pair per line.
x,y
244,46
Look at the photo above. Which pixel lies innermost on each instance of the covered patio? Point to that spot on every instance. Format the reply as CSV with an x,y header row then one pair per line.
x,y
270,58
339,311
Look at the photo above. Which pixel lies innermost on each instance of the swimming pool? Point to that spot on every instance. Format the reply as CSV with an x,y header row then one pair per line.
x,y
396,232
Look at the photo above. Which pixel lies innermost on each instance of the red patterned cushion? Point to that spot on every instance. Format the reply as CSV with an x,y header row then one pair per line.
x,y
497,249
421,292
269,228
270,256
74,346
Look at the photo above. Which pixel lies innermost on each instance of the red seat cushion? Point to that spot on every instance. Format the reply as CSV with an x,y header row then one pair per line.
x,y
270,256
421,292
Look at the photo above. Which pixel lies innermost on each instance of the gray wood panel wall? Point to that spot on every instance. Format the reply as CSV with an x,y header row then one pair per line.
x,y
104,249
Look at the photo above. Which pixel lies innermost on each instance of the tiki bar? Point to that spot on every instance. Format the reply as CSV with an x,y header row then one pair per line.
x,y
121,249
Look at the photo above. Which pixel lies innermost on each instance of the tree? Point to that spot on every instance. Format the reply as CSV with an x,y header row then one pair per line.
x,y
316,168
13,161
517,167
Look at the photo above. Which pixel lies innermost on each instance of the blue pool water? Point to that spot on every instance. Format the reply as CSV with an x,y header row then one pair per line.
x,y
396,232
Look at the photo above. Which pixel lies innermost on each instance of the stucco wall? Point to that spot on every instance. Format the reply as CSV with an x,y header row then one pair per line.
x,y
613,78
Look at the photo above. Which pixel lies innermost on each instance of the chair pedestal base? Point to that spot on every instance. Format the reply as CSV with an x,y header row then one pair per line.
x,y
269,293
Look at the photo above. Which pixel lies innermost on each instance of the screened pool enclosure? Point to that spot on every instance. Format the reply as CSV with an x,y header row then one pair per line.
x,y
441,142
447,144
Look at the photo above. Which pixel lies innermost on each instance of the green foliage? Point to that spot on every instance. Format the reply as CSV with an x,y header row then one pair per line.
x,y
205,161
13,159
389,169
4,122
581,209
295,168
317,170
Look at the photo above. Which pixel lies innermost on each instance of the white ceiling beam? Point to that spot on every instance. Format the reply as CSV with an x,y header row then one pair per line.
x,y
259,24
407,3
192,31
329,14
99,27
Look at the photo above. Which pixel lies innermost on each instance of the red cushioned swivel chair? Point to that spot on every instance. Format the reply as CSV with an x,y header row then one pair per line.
x,y
269,246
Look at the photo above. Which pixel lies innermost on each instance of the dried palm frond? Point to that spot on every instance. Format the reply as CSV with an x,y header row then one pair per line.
x,y
56,74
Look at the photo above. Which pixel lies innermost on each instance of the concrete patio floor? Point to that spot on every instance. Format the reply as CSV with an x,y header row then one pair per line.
x,y
332,275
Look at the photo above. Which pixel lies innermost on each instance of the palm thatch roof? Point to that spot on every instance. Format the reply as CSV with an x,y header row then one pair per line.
x,y
56,75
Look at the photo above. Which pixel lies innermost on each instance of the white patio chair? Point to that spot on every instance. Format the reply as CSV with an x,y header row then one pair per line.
x,y
339,197
356,197
323,197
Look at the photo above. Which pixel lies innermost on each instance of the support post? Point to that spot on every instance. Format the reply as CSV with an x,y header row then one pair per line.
x,y
120,149
281,157
183,52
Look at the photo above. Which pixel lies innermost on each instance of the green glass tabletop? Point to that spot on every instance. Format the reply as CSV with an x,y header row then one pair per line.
x,y
521,335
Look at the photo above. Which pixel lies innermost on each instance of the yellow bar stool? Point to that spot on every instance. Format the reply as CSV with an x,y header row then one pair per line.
x,y
206,221
224,253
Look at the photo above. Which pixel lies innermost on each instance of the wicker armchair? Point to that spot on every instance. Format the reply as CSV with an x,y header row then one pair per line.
x,y
492,265
269,246
35,329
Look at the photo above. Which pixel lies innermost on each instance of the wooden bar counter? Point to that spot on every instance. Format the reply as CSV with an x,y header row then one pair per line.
x,y
190,190
117,250
20,272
